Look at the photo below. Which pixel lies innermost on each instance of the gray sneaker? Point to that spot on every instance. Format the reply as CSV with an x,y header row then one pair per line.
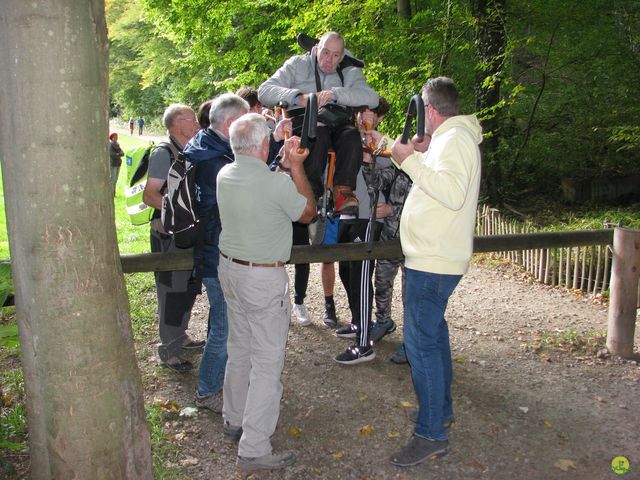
x,y
231,434
400,357
212,402
380,329
417,450
266,462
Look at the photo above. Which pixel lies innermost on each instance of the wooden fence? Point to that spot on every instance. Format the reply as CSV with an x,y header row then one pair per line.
x,y
586,268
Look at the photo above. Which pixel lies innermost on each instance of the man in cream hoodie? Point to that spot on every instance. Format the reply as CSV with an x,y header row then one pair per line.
x,y
436,233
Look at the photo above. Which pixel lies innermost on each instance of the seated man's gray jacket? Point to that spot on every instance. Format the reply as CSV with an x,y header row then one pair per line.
x,y
297,76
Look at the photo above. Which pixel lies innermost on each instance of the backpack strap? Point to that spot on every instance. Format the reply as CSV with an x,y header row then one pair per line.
x,y
173,150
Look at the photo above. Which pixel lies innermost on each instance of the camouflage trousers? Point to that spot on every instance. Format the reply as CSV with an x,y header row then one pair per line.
x,y
385,274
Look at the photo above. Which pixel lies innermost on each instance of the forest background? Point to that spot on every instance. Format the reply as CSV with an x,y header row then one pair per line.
x,y
555,83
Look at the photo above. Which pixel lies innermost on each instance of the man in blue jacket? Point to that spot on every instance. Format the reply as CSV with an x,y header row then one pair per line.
x,y
210,150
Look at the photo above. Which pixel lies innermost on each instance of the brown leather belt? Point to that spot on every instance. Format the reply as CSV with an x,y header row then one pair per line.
x,y
251,264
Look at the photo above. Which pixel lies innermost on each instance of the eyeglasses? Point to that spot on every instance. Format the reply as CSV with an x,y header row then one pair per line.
x,y
188,119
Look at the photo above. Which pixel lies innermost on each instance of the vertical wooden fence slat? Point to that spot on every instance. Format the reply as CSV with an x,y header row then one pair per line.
x,y
598,271
605,275
592,254
583,267
560,266
576,267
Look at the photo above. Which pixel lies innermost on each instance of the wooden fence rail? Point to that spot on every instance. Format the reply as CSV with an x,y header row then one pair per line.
x,y
581,266
148,262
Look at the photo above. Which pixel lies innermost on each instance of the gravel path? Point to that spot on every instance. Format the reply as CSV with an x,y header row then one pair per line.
x,y
522,408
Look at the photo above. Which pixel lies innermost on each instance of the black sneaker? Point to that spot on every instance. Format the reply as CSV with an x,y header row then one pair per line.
x,y
380,329
330,318
356,354
348,331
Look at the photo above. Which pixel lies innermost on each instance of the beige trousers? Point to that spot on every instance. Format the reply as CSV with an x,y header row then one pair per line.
x,y
258,311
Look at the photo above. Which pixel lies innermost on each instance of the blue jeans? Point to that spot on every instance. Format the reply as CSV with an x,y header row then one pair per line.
x,y
214,356
426,340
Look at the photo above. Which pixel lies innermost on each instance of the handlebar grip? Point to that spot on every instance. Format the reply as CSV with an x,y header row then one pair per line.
x,y
310,121
415,109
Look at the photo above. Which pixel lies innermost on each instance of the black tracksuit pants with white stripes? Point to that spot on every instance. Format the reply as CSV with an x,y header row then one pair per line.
x,y
351,276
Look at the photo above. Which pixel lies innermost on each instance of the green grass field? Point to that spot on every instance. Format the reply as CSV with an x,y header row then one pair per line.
x,y
131,238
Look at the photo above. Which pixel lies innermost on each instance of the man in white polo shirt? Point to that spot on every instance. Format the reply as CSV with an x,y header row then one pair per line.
x,y
257,207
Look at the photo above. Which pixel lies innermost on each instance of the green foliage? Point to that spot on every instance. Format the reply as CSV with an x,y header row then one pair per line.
x,y
567,75
13,421
569,341
164,449
6,284
141,290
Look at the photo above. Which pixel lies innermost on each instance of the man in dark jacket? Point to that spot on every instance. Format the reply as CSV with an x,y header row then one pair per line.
x,y
210,150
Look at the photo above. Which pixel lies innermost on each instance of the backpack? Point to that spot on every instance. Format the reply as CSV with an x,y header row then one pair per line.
x,y
137,161
179,217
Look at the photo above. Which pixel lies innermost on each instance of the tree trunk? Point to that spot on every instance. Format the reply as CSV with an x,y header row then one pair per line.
x,y
490,48
84,396
623,306
404,9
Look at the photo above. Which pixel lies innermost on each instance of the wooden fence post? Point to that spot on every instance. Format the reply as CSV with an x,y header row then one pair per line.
x,y
625,272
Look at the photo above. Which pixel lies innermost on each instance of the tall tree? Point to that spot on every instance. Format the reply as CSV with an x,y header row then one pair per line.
x,y
404,9
84,396
489,16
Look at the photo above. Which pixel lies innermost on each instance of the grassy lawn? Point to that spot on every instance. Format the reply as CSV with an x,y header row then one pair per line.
x,y
131,238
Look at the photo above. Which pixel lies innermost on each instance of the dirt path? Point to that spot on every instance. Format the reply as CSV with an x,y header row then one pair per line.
x,y
519,413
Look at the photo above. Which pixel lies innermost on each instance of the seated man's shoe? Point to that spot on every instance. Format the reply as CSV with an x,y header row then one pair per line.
x,y
191,344
348,331
266,462
212,402
355,355
231,434
400,357
418,450
178,364
330,319
380,329
344,200
302,315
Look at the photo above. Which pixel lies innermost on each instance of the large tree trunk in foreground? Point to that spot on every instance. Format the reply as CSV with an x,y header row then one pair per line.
x,y
84,396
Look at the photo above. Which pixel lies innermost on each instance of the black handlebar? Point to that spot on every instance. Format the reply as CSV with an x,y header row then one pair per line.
x,y
415,109
310,121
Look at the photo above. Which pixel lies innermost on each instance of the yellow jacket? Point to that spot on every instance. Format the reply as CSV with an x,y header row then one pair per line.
x,y
438,219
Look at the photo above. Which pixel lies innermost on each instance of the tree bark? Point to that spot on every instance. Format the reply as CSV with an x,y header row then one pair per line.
x,y
490,49
84,396
404,9
625,272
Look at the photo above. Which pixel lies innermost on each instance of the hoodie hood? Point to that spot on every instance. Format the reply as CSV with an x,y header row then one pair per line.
x,y
467,123
207,145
